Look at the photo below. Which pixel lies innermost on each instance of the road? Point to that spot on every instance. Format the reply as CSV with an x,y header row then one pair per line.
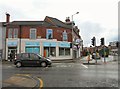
x,y
69,74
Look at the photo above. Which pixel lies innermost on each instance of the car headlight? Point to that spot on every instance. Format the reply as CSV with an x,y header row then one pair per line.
x,y
49,60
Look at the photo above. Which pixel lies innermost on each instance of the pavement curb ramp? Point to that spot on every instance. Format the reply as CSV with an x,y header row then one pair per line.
x,y
20,81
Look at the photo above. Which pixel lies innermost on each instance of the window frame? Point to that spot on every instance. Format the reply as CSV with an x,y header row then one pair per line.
x,y
64,51
10,33
65,36
47,33
31,34
15,33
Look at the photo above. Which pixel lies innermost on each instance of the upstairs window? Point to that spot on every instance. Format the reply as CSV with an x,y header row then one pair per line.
x,y
10,31
49,34
32,33
65,38
13,33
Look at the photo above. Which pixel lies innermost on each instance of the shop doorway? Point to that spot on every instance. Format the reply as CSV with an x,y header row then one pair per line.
x,y
12,50
49,51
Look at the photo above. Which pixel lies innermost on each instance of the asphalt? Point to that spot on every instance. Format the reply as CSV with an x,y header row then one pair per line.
x,y
24,81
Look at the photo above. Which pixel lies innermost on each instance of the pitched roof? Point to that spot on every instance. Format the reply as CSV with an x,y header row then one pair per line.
x,y
26,23
56,22
48,21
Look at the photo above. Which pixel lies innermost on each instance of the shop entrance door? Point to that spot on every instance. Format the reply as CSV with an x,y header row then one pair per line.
x,y
12,50
46,52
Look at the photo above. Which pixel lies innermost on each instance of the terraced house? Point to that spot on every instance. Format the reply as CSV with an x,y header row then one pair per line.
x,y
49,38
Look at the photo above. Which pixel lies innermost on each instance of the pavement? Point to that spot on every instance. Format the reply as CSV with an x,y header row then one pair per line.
x,y
99,61
20,81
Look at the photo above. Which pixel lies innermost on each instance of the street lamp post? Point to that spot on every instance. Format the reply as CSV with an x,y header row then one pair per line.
x,y
73,33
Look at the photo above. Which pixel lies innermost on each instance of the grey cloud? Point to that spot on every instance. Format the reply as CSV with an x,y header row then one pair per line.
x,y
90,29
15,13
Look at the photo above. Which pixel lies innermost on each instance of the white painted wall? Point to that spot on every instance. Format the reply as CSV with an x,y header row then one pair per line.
x,y
1,36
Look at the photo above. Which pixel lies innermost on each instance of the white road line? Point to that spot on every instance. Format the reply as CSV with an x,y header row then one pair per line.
x,y
84,65
9,66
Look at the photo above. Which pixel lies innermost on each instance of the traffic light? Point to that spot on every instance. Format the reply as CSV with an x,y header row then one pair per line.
x,y
117,44
93,41
102,41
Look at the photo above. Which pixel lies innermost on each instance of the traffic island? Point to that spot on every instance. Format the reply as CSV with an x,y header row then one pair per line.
x,y
20,82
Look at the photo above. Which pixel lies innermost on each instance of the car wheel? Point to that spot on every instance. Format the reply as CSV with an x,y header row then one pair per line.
x,y
18,64
43,64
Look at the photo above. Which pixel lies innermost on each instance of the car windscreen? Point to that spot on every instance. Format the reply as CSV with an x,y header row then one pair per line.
x,y
40,56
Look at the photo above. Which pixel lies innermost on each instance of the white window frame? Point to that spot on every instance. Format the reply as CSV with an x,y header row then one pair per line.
x,y
15,33
32,29
65,37
48,32
10,33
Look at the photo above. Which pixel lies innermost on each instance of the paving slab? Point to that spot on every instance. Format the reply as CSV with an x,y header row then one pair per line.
x,y
19,81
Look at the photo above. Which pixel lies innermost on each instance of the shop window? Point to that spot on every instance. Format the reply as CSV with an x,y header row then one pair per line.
x,y
49,34
32,50
61,51
67,51
65,36
32,33
64,51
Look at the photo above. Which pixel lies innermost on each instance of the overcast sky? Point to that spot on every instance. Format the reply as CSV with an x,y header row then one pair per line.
x,y
97,18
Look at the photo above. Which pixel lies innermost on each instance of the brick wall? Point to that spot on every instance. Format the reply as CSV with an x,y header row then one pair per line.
x,y
41,31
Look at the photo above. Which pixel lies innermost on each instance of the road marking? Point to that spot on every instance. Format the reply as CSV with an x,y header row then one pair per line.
x,y
28,75
9,66
41,83
84,65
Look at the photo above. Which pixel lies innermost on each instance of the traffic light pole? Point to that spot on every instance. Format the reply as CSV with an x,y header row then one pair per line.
x,y
104,53
94,44
95,54
103,43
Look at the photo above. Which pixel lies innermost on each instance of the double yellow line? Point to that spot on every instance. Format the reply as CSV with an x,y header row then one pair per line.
x,y
28,75
41,83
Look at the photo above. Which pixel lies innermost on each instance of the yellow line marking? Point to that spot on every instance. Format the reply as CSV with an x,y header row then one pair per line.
x,y
22,75
41,83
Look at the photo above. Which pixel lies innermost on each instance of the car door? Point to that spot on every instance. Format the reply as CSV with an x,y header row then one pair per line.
x,y
34,59
25,59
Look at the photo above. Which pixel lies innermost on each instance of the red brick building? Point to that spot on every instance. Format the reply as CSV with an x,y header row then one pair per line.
x,y
50,38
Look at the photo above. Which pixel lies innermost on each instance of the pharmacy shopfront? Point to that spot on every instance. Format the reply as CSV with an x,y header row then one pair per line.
x,y
47,48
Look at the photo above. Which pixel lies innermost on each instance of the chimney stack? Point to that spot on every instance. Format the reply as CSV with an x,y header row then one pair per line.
x,y
7,17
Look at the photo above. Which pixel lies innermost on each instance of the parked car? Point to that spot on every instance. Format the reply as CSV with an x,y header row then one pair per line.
x,y
31,59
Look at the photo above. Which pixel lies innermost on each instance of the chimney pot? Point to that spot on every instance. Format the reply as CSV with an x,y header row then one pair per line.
x,y
67,19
